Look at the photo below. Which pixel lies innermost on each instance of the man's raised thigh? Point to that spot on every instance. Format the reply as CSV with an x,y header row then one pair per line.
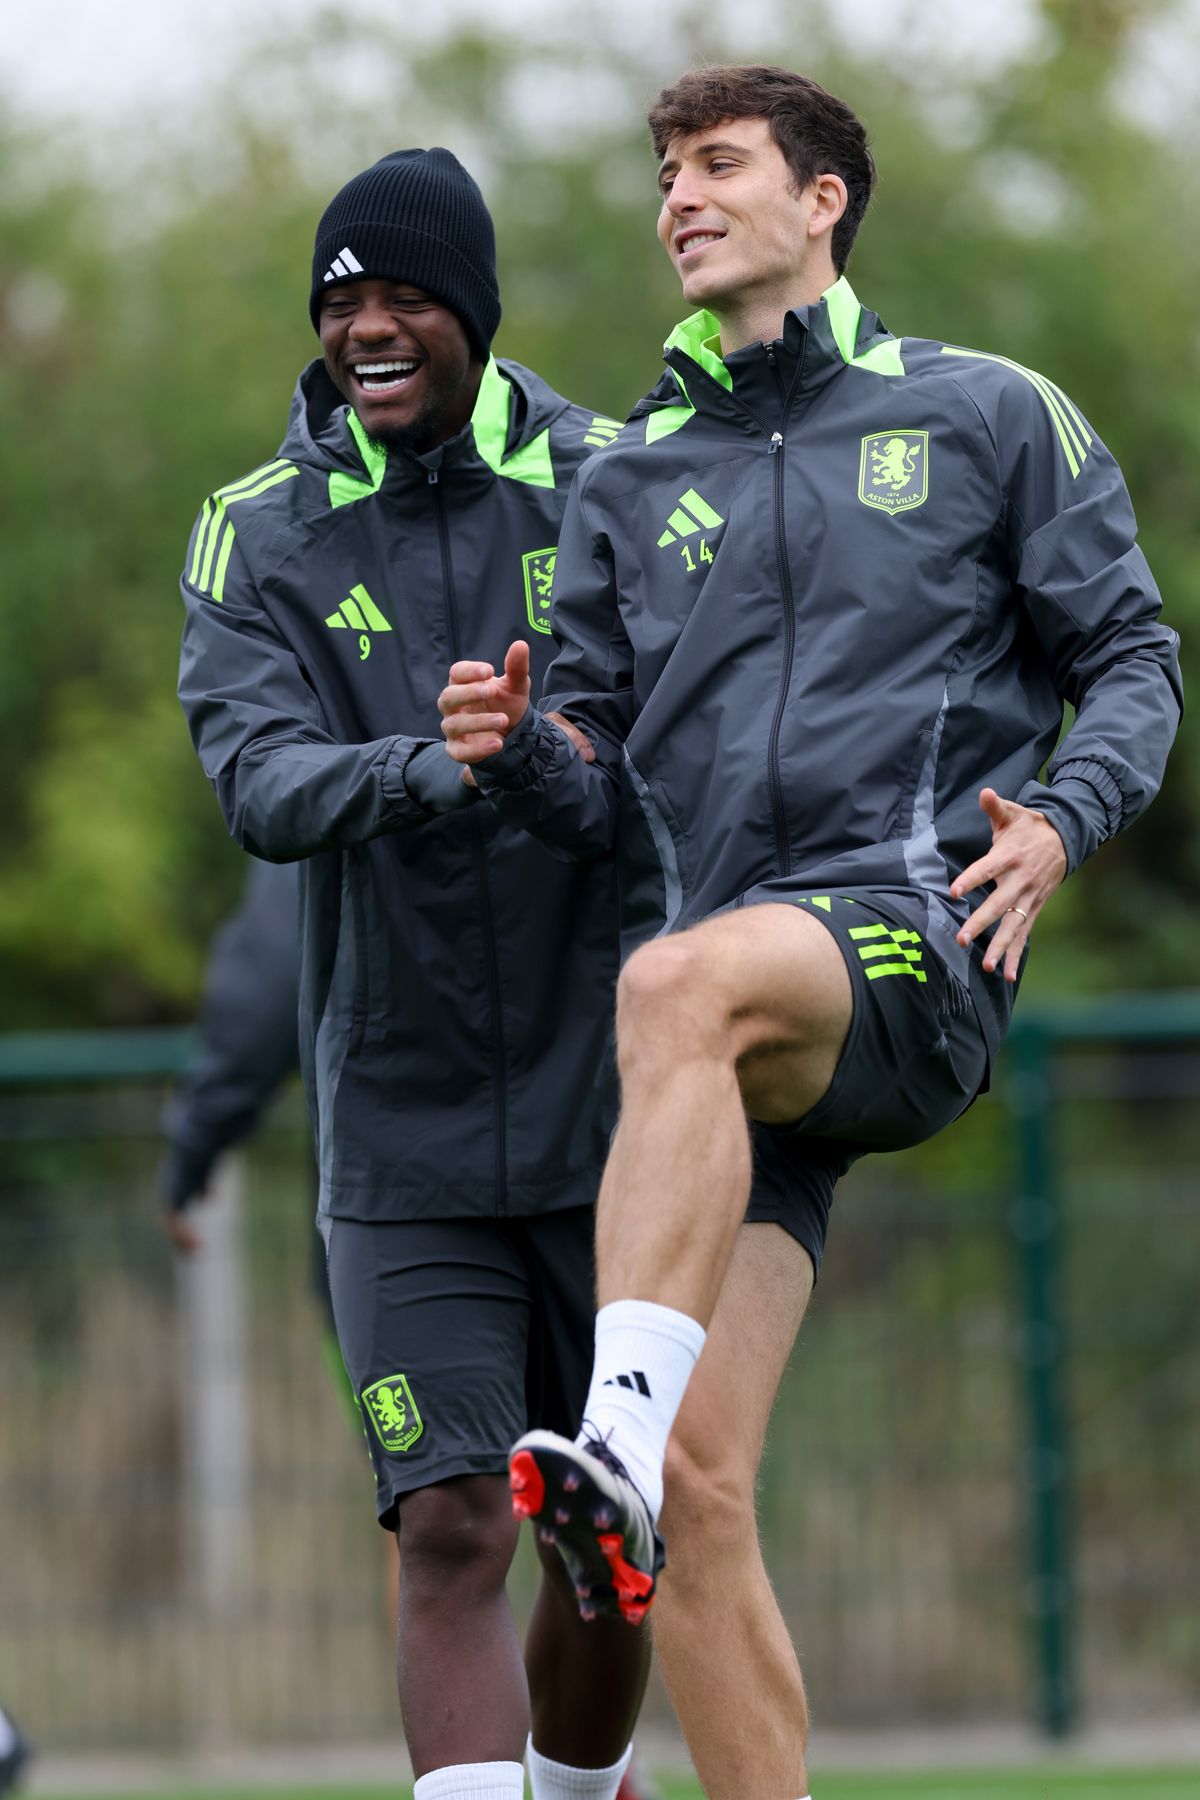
x,y
783,984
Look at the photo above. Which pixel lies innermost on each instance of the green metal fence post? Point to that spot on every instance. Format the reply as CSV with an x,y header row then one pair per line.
x,y
1037,1234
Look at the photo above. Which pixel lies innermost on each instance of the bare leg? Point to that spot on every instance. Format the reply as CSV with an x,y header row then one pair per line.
x,y
391,1578
463,1695
722,1645
586,1681
745,1013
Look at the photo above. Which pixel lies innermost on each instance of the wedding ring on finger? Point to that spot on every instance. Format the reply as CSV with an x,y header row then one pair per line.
x,y
1023,916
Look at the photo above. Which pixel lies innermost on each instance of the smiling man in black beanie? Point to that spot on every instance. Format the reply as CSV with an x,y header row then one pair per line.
x,y
417,219
461,1125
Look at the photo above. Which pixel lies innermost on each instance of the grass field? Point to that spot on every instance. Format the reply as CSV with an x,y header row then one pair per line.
x,y
1017,1784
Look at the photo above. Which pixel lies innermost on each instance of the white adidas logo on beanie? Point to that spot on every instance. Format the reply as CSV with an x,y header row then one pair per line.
x,y
344,263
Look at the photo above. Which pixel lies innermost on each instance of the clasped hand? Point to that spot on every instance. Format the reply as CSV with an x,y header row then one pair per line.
x,y
479,708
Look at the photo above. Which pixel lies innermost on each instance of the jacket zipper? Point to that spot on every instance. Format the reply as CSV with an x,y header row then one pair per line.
x,y
783,848
479,851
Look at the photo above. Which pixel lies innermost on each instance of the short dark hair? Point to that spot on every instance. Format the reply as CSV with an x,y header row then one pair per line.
x,y
818,134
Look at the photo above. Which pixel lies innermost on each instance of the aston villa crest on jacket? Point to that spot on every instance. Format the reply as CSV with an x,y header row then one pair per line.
x,y
893,470
538,568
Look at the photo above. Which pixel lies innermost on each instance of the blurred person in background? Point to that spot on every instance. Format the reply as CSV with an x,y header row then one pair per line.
x,y
248,1043
14,1754
819,611
248,1047
456,982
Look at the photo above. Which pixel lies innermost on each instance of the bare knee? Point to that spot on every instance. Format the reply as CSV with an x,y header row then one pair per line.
x,y
668,1003
457,1532
708,1499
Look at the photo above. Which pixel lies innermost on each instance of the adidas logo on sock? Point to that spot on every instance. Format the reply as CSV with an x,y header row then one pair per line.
x,y
344,263
636,1380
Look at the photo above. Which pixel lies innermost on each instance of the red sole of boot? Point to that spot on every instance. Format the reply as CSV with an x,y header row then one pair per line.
x,y
635,1589
526,1485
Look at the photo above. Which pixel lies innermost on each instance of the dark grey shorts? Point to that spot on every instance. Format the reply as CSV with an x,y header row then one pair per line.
x,y
460,1334
914,1058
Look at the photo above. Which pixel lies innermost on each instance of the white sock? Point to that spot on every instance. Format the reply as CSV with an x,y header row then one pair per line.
x,y
8,1733
473,1781
645,1355
557,1781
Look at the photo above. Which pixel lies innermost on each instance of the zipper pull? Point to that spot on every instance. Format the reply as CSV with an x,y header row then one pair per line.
x,y
433,475
770,350
776,440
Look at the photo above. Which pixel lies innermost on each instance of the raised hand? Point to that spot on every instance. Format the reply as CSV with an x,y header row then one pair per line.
x,y
479,708
1027,862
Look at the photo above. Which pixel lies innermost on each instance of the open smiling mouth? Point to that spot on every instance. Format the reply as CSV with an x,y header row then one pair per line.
x,y
700,241
385,377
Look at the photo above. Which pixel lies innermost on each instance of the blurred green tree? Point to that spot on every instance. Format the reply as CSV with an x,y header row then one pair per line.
x,y
150,348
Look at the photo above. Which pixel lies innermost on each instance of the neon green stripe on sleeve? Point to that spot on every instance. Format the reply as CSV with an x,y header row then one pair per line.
x,y
214,533
237,489
1064,423
287,473
201,533
218,586
1069,406
1070,436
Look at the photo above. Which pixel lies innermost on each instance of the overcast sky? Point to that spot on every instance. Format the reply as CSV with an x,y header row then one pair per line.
x,y
124,84
153,60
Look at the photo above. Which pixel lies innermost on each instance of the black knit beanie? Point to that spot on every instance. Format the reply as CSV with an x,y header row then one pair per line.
x,y
415,216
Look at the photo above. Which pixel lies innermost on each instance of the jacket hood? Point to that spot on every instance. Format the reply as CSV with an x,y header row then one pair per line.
x,y
513,411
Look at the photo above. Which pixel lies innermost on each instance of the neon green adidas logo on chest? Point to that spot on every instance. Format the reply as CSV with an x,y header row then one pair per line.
x,y
358,612
692,515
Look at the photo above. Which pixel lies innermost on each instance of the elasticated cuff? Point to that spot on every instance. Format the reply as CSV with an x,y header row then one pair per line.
x,y
1080,810
393,777
436,782
507,768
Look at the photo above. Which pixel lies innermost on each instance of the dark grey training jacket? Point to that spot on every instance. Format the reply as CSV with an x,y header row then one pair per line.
x,y
456,985
817,596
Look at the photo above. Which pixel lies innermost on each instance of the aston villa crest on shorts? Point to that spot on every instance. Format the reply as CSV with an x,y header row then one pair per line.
x,y
392,1410
893,472
538,567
